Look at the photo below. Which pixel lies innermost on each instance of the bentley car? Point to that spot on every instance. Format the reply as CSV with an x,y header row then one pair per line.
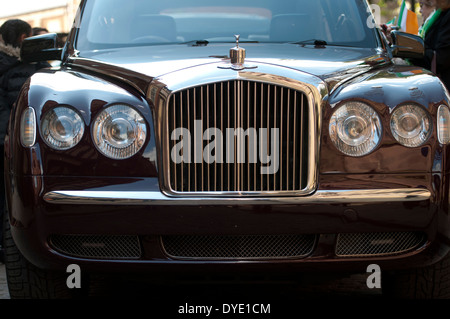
x,y
192,136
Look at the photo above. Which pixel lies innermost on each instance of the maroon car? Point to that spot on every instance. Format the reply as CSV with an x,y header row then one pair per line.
x,y
188,136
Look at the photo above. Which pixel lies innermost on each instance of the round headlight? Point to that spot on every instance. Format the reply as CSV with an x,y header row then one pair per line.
x,y
355,129
62,128
411,125
119,132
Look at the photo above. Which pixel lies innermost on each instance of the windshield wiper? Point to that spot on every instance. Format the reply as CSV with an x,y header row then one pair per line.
x,y
197,43
311,41
203,43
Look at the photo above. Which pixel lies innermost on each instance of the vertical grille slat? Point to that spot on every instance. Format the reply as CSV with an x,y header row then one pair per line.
x,y
181,120
294,154
188,106
239,115
300,157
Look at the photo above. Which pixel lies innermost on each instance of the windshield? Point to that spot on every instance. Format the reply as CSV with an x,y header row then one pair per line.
x,y
117,23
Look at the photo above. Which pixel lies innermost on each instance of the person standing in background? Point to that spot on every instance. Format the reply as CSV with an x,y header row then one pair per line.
x,y
437,43
39,31
13,74
427,8
429,15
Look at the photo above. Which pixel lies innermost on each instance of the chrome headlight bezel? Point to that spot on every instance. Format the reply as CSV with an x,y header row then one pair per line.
x,y
355,128
411,125
62,128
119,131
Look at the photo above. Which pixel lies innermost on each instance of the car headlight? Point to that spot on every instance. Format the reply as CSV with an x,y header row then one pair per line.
x,y
443,124
411,125
119,132
62,128
355,128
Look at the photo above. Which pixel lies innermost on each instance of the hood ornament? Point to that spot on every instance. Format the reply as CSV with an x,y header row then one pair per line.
x,y
237,57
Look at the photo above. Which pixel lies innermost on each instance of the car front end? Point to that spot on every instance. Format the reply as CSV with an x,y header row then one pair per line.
x,y
203,156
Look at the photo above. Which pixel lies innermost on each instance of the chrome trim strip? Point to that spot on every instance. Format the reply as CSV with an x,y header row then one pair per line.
x,y
95,197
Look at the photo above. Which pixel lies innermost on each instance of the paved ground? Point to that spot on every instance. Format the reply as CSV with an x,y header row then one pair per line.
x,y
3,286
349,287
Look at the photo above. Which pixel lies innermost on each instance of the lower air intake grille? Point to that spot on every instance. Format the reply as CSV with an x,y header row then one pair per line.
x,y
238,247
97,247
377,244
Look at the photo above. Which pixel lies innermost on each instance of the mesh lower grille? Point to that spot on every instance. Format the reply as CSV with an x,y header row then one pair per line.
x,y
98,247
238,247
377,244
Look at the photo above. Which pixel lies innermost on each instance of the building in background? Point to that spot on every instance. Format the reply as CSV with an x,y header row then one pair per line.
x,y
54,15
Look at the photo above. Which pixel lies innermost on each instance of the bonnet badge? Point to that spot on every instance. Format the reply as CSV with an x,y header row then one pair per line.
x,y
237,58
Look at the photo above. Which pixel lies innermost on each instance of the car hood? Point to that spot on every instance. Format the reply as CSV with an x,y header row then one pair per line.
x,y
332,64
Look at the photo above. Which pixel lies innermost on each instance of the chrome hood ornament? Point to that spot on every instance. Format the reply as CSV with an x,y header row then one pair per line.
x,y
237,57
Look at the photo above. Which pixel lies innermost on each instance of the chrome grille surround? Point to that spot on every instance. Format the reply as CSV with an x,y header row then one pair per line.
x,y
97,246
308,88
377,244
233,247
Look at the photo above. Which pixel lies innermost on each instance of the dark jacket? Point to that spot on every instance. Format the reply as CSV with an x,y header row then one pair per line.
x,y
437,40
13,74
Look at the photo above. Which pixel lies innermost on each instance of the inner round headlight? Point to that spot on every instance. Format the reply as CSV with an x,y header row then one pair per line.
x,y
355,128
62,128
119,132
411,125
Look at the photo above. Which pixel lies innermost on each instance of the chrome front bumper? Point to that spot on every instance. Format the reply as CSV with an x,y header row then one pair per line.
x,y
96,197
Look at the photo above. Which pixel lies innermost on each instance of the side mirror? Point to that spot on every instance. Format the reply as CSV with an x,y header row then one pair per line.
x,y
41,48
406,45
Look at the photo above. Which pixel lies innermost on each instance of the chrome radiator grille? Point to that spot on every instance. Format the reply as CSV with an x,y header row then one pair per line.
x,y
258,142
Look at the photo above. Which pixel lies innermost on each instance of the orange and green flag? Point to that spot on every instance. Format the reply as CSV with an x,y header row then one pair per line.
x,y
407,20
